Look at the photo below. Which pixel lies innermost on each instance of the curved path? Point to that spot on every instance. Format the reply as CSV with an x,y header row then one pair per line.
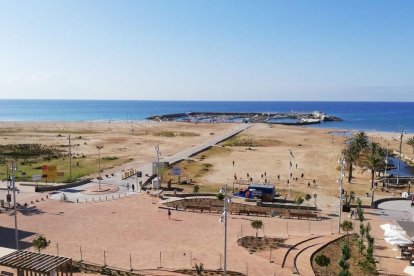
x,y
298,259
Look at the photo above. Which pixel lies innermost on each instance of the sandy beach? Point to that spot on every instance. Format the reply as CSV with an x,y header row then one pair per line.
x,y
262,149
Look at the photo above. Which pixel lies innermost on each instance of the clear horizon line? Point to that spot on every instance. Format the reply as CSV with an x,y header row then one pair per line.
x,y
183,100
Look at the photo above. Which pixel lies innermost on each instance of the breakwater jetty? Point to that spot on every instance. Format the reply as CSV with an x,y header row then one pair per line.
x,y
287,118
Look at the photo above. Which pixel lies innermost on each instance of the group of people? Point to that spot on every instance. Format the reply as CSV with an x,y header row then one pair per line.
x,y
265,179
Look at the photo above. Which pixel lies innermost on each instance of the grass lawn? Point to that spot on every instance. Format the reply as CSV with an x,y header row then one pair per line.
x,y
80,167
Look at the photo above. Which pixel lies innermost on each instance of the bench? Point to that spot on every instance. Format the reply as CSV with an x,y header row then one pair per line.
x,y
194,207
305,214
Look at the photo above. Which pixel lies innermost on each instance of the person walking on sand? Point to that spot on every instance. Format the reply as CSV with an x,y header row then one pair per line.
x,y
233,162
169,214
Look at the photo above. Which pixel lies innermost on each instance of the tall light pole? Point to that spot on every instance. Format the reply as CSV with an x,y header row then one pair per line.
x,y
70,160
385,170
340,182
157,149
399,158
99,179
13,184
227,200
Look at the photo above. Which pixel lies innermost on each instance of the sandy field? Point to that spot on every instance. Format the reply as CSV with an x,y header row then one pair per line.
x,y
127,142
262,151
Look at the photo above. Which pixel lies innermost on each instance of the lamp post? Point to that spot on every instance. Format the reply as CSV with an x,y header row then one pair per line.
x,y
13,185
385,170
227,200
340,182
99,162
70,160
157,149
399,158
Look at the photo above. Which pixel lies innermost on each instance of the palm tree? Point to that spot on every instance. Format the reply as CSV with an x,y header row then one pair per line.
x,y
351,155
257,224
374,161
410,142
360,141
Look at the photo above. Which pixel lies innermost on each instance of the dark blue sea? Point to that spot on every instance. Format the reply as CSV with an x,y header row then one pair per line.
x,y
369,116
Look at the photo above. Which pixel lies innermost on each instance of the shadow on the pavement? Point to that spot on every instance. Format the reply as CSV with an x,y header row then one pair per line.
x,y
8,239
30,211
33,210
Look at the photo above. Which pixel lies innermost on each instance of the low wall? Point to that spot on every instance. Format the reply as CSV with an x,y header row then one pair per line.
x,y
40,189
382,200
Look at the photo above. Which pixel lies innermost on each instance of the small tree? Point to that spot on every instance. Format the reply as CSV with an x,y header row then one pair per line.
x,y
308,197
361,230
196,188
368,230
361,245
343,262
257,224
220,196
347,226
298,201
40,243
322,261
370,250
360,213
199,268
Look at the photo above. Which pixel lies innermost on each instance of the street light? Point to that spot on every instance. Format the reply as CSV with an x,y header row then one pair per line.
x,y
385,170
227,200
99,178
157,149
70,160
399,157
340,182
12,184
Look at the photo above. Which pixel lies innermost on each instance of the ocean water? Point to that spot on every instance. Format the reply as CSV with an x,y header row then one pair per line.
x,y
369,116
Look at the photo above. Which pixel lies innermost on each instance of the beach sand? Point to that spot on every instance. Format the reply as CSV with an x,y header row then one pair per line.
x,y
262,148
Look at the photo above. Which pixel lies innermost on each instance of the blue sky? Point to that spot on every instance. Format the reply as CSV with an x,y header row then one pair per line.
x,y
207,50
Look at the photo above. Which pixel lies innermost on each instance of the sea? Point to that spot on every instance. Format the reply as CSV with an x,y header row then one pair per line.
x,y
356,116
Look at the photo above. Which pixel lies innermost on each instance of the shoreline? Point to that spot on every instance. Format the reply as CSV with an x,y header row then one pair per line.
x,y
152,122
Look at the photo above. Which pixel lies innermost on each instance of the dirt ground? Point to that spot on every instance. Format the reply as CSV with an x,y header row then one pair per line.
x,y
263,152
